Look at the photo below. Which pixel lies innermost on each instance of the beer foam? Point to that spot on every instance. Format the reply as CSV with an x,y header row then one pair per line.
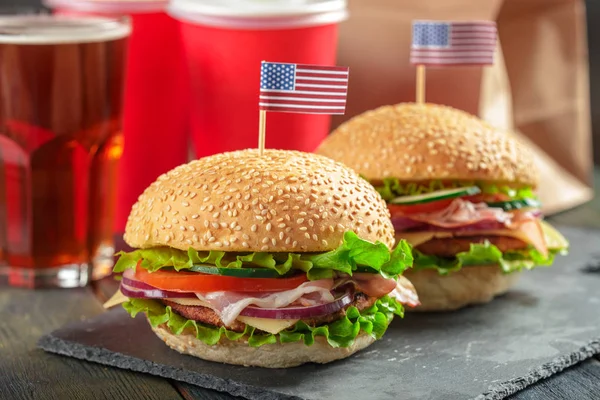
x,y
48,29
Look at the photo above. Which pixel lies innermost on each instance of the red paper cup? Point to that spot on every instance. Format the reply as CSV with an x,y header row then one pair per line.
x,y
225,46
156,110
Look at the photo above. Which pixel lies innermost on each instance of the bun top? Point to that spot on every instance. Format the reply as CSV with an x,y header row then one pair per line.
x,y
282,201
422,142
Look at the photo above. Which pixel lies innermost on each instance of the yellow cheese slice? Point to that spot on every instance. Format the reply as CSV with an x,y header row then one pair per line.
x,y
273,326
116,299
553,238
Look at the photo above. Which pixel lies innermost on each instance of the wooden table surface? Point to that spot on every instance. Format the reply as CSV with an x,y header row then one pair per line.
x,y
27,372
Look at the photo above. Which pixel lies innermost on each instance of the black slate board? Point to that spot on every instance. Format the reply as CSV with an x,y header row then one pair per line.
x,y
550,321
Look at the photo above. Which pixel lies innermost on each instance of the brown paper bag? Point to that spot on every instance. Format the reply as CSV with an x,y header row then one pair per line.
x,y
538,86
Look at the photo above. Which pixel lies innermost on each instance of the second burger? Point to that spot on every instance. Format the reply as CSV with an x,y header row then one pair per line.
x,y
461,192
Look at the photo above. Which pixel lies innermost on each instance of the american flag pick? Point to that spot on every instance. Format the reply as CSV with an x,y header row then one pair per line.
x,y
301,88
437,43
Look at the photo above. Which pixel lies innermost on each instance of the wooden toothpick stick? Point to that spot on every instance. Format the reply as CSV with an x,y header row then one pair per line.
x,y
262,125
420,84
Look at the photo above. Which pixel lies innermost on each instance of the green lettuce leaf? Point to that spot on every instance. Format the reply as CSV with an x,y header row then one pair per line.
x,y
352,253
391,188
485,254
341,333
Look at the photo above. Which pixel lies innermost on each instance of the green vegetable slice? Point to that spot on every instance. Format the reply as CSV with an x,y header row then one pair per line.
x,y
236,272
485,254
340,333
437,195
390,188
516,204
353,252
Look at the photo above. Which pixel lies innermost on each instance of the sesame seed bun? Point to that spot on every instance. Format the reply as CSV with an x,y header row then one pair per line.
x,y
422,142
282,201
468,286
276,355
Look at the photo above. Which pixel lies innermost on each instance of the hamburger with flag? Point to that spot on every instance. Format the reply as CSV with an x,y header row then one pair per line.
x,y
461,192
269,260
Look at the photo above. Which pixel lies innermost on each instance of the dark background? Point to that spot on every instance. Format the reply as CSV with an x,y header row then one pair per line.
x,y
593,15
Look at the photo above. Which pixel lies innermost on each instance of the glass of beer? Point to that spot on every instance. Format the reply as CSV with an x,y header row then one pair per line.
x,y
61,94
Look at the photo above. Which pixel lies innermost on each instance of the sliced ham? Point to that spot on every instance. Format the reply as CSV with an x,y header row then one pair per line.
x,y
229,304
460,213
373,285
464,218
405,292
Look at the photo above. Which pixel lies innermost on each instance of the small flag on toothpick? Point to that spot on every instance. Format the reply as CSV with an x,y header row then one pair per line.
x,y
437,43
310,89
300,88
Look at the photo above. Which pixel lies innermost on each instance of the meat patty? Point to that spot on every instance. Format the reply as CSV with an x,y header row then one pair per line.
x,y
448,247
204,315
208,316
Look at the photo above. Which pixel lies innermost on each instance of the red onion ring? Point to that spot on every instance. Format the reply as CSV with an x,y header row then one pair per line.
x,y
153,293
301,312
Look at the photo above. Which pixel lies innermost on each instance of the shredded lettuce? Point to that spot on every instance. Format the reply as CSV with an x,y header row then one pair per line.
x,y
392,188
486,254
341,333
353,252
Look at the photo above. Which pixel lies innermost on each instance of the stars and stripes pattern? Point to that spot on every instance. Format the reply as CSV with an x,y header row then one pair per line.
x,y
453,43
300,88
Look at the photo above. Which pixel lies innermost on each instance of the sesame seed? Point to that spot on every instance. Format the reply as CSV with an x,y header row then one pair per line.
x,y
245,244
195,216
303,228
264,248
216,215
185,203
268,227
307,235
182,228
206,223
215,225
253,228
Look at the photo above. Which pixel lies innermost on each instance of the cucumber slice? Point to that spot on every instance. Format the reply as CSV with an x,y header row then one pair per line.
x,y
437,195
516,204
237,272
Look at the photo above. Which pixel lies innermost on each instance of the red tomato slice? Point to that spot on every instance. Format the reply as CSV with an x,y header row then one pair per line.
x,y
397,209
199,282
433,206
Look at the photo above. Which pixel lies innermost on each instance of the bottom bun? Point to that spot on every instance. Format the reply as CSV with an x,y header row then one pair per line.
x,y
469,285
267,356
